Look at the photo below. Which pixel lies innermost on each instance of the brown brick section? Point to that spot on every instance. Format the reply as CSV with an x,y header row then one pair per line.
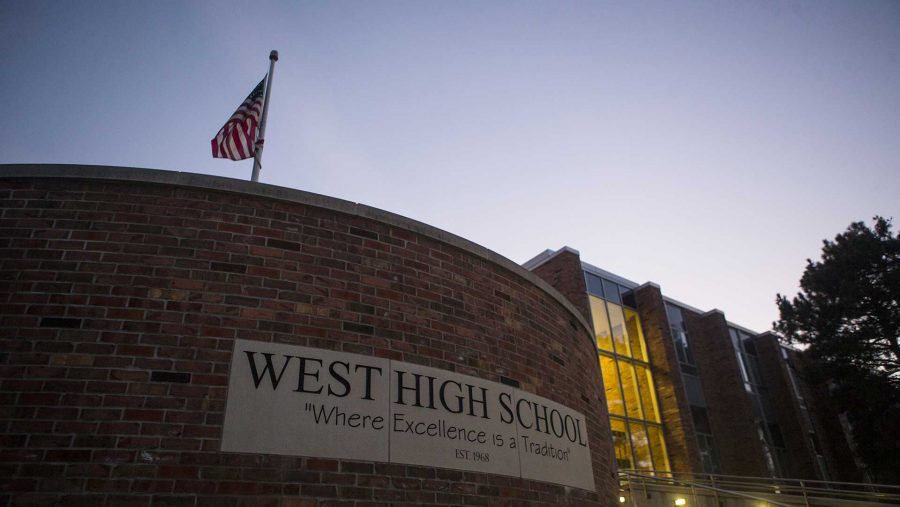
x,y
678,427
564,273
790,420
729,410
120,302
793,424
797,425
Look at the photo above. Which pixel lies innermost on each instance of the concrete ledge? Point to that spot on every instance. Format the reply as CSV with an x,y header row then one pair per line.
x,y
218,183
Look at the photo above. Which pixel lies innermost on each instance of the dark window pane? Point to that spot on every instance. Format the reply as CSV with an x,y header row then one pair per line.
x,y
708,454
690,370
694,390
777,438
701,421
594,284
674,315
611,291
628,299
750,347
679,346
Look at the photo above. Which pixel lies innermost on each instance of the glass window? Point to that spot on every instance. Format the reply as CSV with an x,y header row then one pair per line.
x,y
611,383
658,448
767,451
680,339
749,346
594,284
680,348
795,384
641,445
694,390
628,298
739,355
611,291
708,454
630,393
673,313
601,324
617,324
777,438
630,389
688,369
635,335
753,363
701,420
620,443
648,395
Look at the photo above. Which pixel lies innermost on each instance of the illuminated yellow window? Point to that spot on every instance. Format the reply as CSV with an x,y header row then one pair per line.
x,y
601,324
630,390
614,401
630,393
641,445
620,443
648,394
635,335
620,335
658,447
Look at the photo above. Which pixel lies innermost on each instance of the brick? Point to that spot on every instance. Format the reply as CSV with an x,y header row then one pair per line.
x,y
179,472
237,488
322,464
125,328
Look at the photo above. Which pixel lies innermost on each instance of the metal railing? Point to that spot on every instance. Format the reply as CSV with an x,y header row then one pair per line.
x,y
773,491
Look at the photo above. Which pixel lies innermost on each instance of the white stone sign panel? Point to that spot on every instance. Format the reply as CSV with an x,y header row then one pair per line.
x,y
301,401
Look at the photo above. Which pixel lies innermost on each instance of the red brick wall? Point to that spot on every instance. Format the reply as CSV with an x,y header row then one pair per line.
x,y
564,273
120,301
728,406
793,424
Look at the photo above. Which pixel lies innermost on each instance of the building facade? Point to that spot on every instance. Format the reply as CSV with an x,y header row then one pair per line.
x,y
186,340
689,392
173,339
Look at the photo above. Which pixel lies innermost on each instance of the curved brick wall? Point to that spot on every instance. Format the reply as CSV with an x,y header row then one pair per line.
x,y
123,291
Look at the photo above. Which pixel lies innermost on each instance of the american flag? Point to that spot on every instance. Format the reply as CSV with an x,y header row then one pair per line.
x,y
236,139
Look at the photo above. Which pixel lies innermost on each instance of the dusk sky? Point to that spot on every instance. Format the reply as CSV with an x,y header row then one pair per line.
x,y
705,146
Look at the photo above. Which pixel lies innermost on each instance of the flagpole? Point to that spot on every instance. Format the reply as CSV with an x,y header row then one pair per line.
x,y
261,136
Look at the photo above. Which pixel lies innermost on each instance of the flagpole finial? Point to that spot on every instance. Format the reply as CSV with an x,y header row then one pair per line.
x,y
273,56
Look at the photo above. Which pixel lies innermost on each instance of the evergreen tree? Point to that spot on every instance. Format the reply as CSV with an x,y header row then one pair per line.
x,y
848,314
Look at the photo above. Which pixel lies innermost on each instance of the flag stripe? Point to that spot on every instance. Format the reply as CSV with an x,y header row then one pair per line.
x,y
235,140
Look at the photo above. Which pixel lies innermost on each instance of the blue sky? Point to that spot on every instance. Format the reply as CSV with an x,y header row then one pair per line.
x,y
706,146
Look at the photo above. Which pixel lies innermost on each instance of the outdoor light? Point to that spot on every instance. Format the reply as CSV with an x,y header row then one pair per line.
x,y
621,499
680,501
